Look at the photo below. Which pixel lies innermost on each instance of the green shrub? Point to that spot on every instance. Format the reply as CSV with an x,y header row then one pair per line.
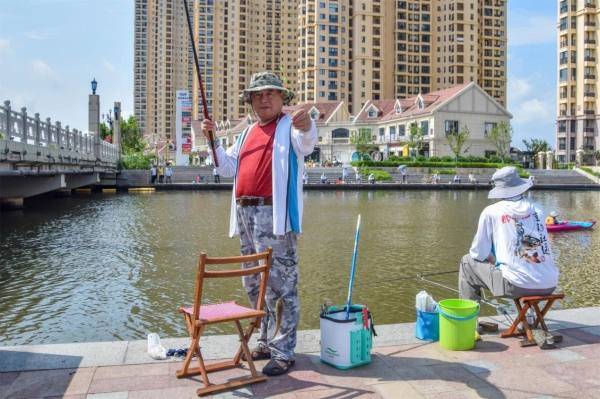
x,y
136,160
380,175
443,171
590,171
429,163
523,174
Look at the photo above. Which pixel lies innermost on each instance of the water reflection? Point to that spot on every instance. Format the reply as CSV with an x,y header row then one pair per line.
x,y
106,267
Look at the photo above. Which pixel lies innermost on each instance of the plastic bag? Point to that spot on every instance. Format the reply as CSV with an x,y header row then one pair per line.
x,y
425,302
155,349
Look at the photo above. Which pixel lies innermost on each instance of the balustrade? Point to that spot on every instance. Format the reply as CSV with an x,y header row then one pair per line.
x,y
20,127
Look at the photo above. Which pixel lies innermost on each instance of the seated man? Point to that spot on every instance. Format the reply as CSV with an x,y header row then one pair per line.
x,y
472,178
456,179
323,178
510,254
371,178
552,218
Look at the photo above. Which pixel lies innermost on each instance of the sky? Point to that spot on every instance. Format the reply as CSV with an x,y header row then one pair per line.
x,y
50,50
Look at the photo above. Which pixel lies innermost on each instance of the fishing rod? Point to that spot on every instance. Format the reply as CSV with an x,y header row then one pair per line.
x,y
211,137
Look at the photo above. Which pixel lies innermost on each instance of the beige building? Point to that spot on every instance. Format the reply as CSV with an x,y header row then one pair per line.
x,y
162,65
371,49
578,115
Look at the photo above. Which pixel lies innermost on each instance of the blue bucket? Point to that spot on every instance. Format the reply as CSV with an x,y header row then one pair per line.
x,y
428,326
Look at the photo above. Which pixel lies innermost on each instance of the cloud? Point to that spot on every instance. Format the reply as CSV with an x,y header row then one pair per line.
x,y
42,70
533,109
36,35
4,44
526,29
110,67
518,88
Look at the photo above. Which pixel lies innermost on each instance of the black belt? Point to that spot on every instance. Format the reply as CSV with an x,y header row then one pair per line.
x,y
254,201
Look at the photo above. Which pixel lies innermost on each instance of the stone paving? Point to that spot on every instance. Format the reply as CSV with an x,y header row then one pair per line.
x,y
401,367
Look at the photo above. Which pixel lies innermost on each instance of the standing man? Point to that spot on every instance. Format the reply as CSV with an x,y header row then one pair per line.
x,y
403,169
216,176
267,163
510,254
345,174
169,173
153,174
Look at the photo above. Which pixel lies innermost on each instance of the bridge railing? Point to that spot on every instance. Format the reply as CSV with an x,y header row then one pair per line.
x,y
23,128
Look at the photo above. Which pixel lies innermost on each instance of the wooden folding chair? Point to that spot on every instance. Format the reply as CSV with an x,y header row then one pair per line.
x,y
199,316
523,304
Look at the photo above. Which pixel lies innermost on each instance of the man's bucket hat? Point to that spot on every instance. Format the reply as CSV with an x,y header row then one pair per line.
x,y
265,81
507,183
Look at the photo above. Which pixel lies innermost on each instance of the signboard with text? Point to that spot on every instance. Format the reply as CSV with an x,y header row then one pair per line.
x,y
183,126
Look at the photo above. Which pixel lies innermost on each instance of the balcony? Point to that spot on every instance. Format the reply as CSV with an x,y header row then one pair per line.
x,y
589,58
589,41
588,130
589,94
589,112
589,76
589,4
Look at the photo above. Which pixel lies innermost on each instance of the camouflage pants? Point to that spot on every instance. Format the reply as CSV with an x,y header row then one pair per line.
x,y
256,235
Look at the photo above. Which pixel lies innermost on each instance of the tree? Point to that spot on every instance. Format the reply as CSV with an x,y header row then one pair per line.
x,y
457,140
415,137
362,142
131,136
500,136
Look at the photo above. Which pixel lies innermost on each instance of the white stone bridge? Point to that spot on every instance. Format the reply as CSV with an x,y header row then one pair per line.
x,y
38,156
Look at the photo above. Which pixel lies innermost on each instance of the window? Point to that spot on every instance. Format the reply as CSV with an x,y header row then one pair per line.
x,y
372,113
425,127
562,143
398,108
392,133
487,128
450,127
401,130
314,114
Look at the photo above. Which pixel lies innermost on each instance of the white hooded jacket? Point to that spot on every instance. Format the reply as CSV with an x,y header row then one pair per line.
x,y
514,231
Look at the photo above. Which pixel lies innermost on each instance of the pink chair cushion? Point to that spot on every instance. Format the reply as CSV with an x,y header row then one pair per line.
x,y
223,310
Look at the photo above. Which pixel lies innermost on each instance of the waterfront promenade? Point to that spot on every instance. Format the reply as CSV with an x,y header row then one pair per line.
x,y
401,367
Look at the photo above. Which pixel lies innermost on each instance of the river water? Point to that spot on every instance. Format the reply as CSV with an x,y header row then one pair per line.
x,y
103,267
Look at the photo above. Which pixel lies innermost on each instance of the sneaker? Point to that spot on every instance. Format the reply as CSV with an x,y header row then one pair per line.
x,y
277,367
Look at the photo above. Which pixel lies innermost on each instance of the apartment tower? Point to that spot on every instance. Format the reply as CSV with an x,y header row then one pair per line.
x,y
578,116
356,50
162,65
238,38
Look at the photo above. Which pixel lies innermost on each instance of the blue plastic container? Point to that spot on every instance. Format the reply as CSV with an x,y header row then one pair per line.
x,y
428,326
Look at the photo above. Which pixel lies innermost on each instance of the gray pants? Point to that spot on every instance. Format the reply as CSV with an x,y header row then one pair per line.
x,y
474,275
256,235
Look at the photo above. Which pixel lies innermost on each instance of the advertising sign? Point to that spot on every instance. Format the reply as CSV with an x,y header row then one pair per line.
x,y
183,126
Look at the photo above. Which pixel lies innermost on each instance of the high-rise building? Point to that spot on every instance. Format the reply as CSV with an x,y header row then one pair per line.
x,y
162,65
236,39
578,116
357,50
325,50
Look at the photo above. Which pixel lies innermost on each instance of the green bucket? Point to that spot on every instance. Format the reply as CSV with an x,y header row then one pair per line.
x,y
458,323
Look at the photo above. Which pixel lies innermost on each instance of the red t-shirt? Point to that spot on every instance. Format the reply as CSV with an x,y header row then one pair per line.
x,y
254,176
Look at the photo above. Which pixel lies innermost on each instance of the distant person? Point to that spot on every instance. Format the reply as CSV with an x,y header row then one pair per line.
x,y
153,174
456,179
169,173
510,254
532,179
216,176
161,173
357,176
403,172
472,178
371,178
552,218
305,178
345,174
323,178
